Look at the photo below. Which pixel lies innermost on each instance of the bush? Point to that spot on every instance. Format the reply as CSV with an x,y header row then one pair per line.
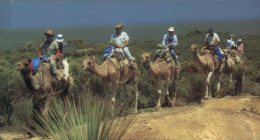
x,y
90,119
197,89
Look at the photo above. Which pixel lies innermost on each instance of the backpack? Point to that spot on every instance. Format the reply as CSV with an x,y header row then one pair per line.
x,y
108,50
35,64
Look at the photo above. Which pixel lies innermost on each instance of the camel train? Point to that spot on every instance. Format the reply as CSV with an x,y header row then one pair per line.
x,y
113,72
209,65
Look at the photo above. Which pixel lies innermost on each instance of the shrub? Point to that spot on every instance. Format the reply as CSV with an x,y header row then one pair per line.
x,y
196,87
90,119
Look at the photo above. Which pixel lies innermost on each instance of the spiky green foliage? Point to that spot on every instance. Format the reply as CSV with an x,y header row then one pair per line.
x,y
197,85
88,119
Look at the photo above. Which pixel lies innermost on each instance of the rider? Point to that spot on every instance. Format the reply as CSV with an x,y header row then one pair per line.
x,y
212,42
170,41
240,47
230,42
44,47
119,41
59,54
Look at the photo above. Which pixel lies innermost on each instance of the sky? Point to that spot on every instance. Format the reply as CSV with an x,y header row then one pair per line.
x,y
16,14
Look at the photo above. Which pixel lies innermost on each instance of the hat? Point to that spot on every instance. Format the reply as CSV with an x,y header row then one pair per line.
x,y
118,25
211,30
239,40
49,32
59,38
171,29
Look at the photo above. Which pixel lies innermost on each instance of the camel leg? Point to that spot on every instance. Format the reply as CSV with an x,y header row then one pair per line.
x,y
136,96
207,85
230,80
159,91
167,86
174,91
46,106
113,99
218,84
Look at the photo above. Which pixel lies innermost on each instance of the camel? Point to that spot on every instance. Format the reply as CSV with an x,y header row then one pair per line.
x,y
206,61
110,74
44,86
160,71
234,65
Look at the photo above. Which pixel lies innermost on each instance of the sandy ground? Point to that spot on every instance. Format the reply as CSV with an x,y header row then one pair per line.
x,y
229,118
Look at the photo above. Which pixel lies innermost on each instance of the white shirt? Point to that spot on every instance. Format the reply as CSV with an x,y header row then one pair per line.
x,y
119,39
230,43
212,40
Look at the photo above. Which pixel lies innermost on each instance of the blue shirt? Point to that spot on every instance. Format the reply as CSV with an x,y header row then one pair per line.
x,y
167,39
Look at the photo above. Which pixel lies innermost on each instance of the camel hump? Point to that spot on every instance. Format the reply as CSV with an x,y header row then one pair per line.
x,y
119,64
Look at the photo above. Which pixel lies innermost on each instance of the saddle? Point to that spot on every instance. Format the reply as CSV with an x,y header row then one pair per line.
x,y
163,56
119,60
233,54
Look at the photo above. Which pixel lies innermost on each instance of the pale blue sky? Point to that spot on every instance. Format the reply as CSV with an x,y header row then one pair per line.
x,y
71,13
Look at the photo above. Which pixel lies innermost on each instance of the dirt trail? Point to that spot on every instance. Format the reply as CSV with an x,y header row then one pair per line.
x,y
229,118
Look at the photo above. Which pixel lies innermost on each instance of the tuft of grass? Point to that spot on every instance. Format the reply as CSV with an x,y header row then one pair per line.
x,y
196,87
87,119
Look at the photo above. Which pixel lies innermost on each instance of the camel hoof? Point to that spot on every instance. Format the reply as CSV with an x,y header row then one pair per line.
x,y
157,108
171,104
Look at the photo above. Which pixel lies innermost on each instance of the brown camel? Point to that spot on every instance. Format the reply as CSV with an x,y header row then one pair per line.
x,y
110,74
206,61
235,67
160,71
44,86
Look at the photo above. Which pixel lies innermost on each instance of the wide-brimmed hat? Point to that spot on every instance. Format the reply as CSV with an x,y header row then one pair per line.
x,y
49,32
171,29
239,40
59,38
118,25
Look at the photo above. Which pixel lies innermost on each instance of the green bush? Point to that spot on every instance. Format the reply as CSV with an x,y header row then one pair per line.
x,y
89,119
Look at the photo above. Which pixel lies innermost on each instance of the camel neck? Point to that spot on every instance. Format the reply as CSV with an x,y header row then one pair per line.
x,y
197,56
150,66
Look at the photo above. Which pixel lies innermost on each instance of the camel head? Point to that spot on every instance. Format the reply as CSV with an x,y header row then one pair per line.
x,y
145,57
23,64
88,63
193,48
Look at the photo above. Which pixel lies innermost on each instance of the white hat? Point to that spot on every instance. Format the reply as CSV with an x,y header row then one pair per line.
x,y
59,38
171,29
239,40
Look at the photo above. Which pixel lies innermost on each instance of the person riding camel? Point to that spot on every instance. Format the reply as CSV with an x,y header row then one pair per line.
x,y
53,49
48,42
212,42
119,42
56,56
240,48
169,43
230,43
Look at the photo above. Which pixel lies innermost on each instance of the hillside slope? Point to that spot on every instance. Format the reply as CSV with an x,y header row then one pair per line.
x,y
229,118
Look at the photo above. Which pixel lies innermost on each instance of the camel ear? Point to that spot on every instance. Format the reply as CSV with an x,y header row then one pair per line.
x,y
150,53
94,57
